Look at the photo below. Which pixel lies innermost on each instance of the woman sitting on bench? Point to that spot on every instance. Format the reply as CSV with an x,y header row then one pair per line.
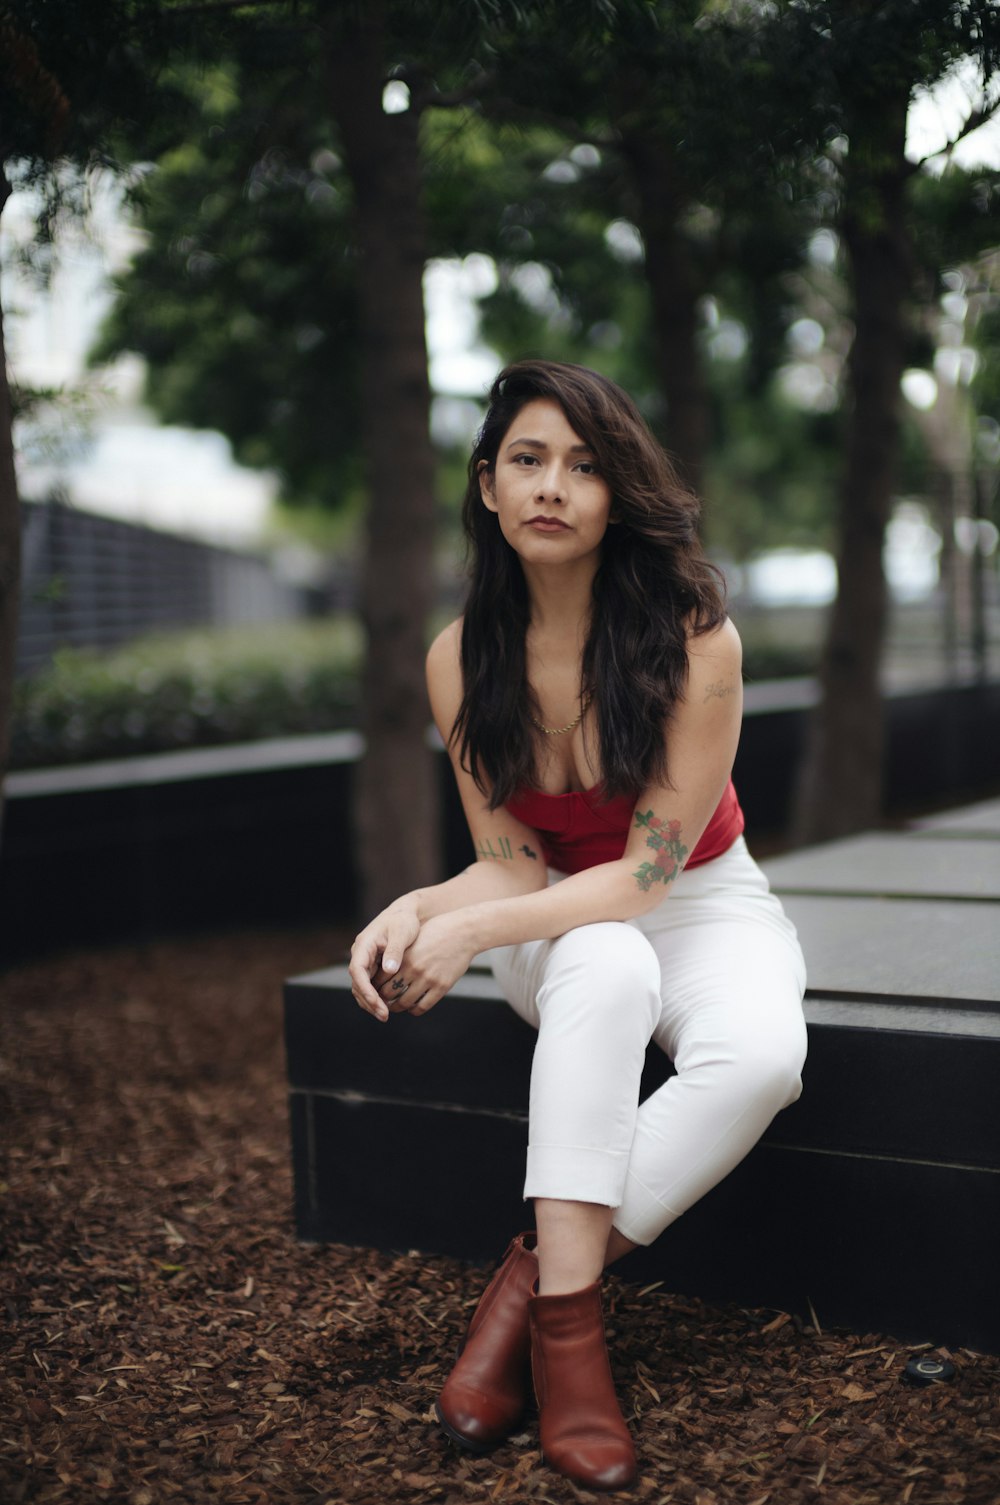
x,y
590,698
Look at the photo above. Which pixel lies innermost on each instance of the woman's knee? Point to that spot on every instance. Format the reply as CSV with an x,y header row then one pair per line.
x,y
768,1070
605,967
763,1067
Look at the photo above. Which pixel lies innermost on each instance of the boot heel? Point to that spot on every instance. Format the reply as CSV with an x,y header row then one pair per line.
x,y
582,1431
485,1394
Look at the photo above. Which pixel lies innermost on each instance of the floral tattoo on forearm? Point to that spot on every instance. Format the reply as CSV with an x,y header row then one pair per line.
x,y
664,836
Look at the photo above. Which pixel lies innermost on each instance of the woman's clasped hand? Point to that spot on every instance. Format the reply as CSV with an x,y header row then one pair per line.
x,y
400,966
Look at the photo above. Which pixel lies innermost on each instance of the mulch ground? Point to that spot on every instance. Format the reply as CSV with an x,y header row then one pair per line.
x,y
168,1340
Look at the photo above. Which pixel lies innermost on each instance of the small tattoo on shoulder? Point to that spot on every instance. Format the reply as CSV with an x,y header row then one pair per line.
x,y
528,852
718,691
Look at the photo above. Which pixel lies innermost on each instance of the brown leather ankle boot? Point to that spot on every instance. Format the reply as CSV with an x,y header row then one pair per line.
x,y
582,1431
485,1395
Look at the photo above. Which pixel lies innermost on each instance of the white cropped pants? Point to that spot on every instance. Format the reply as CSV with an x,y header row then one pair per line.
x,y
714,974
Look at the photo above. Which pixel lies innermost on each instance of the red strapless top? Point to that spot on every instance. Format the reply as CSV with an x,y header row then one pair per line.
x,y
576,831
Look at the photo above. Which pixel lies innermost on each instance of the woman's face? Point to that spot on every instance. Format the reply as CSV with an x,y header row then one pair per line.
x,y
552,503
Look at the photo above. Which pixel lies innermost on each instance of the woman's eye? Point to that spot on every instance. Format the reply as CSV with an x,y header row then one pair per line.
x,y
588,467
529,459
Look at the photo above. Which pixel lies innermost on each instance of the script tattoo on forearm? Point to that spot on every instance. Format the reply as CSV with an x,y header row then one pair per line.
x,y
485,848
718,691
664,837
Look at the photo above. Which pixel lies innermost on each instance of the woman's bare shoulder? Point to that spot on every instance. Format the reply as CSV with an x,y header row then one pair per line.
x,y
721,643
444,671
445,653
715,667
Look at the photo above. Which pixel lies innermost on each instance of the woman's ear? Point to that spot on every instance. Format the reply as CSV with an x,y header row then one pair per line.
x,y
486,487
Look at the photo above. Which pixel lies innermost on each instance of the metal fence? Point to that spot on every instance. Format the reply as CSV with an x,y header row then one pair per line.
x,y
92,582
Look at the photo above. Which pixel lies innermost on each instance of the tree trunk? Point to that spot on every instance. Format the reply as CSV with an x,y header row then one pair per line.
x,y
10,545
840,783
675,286
396,808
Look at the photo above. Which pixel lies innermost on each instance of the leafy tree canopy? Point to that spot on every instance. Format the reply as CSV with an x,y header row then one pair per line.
x,y
243,302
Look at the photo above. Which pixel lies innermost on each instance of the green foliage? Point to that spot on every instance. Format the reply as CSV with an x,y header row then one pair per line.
x,y
189,690
986,384
243,302
772,476
244,305
780,643
956,216
77,97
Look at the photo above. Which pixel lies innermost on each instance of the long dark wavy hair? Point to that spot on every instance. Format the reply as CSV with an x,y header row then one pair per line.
x,y
654,585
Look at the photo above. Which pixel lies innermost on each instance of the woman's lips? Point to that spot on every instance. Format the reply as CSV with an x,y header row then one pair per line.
x,y
547,525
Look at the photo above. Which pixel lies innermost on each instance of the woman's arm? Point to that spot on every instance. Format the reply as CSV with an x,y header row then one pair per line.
x,y
509,861
667,824
379,947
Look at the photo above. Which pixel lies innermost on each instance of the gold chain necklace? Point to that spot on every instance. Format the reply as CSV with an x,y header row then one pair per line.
x,y
557,731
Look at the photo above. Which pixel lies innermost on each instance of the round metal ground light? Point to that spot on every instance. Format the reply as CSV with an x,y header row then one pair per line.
x,y
928,1371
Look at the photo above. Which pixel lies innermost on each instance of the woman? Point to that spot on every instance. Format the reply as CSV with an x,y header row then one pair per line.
x,y
590,699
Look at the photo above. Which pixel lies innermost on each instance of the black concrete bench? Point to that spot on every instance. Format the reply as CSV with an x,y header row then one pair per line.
x,y
876,1197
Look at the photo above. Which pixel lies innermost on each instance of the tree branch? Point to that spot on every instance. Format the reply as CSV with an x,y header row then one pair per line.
x,y
37,88
975,119
452,99
507,112
500,107
206,7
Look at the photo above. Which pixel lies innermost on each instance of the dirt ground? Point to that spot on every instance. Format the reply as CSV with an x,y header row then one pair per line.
x,y
166,1338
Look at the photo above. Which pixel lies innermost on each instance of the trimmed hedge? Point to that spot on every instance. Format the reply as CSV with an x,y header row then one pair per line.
x,y
193,689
